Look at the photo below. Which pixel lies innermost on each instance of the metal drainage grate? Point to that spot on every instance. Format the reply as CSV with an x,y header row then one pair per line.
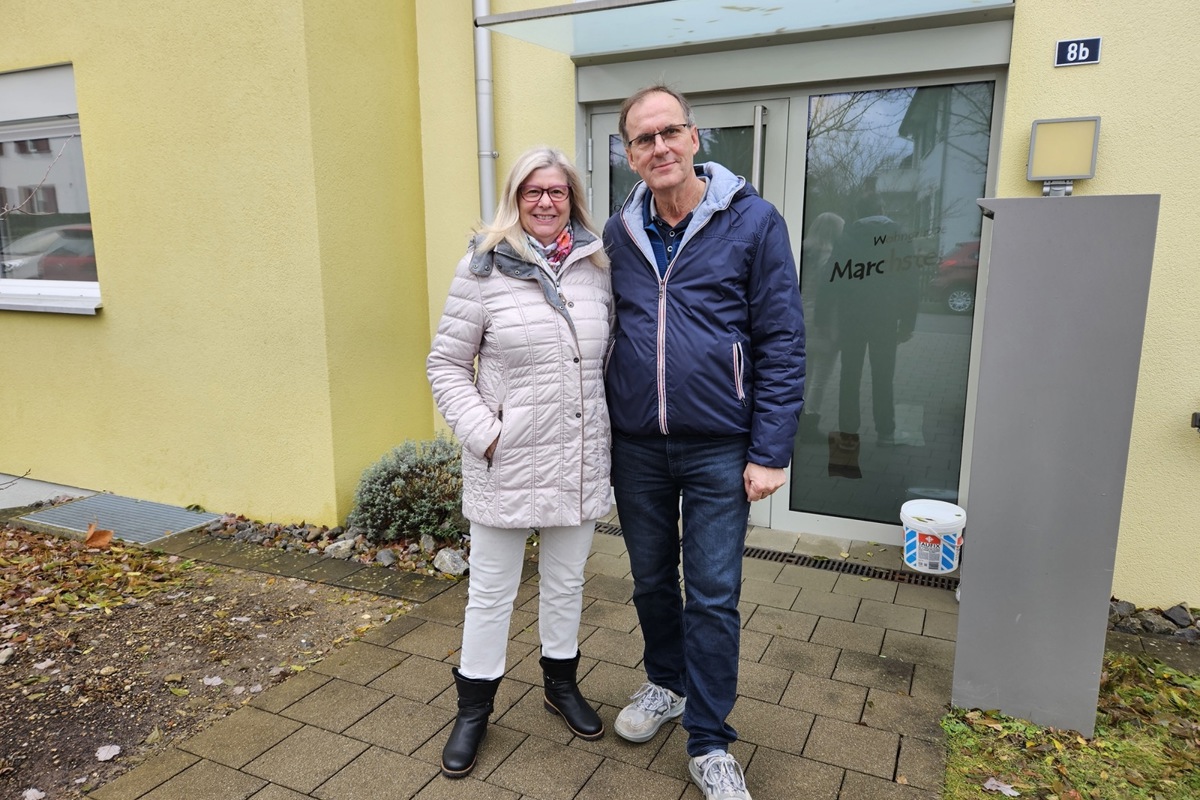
x,y
829,564
853,568
132,520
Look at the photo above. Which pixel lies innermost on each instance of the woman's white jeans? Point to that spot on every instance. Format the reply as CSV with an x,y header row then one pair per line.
x,y
497,555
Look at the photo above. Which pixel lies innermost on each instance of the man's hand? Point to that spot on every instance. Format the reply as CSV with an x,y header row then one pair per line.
x,y
762,481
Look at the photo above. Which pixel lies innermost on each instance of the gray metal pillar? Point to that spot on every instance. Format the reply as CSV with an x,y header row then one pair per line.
x,y
1064,313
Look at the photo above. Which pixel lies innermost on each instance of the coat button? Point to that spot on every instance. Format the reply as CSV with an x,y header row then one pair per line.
x,y
578,415
575,359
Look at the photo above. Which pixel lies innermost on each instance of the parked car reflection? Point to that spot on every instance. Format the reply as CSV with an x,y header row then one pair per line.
x,y
956,277
62,253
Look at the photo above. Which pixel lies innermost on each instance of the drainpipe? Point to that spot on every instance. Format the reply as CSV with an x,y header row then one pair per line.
x,y
483,115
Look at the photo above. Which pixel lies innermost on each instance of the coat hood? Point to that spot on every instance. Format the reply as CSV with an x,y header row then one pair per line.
x,y
723,188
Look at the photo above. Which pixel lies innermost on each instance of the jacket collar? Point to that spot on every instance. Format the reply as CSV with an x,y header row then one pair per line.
x,y
723,188
509,263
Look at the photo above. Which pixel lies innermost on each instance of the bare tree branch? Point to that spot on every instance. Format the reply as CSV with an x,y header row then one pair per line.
x,y
13,482
6,209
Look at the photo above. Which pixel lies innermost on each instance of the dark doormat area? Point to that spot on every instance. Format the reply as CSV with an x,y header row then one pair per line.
x,y
129,519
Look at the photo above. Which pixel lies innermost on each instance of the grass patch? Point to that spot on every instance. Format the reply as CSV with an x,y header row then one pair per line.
x,y
1146,744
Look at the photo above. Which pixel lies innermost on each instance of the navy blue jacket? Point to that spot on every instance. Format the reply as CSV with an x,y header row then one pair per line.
x,y
716,346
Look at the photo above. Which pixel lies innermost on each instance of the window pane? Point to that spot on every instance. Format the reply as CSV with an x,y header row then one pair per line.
x,y
888,266
45,219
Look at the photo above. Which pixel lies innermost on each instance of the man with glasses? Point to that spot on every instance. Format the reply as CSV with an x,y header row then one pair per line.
x,y
705,385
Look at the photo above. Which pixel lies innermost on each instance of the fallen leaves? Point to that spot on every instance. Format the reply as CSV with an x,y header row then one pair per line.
x,y
99,539
1146,744
108,752
69,577
993,785
111,647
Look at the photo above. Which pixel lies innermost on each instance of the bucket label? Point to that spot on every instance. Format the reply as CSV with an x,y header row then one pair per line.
x,y
929,551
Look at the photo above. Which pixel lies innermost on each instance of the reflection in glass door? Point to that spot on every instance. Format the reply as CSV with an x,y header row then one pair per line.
x,y
888,264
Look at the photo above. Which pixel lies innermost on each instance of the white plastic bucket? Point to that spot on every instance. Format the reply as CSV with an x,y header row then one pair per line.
x,y
933,534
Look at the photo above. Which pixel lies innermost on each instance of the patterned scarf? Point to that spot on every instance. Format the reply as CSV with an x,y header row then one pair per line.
x,y
557,251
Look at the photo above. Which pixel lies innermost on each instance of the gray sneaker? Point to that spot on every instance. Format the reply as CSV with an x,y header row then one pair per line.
x,y
652,706
719,776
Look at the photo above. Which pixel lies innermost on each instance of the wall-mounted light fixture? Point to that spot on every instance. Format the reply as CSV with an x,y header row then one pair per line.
x,y
1062,151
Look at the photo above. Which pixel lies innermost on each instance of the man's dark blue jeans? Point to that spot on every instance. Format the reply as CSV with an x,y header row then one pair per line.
x,y
691,647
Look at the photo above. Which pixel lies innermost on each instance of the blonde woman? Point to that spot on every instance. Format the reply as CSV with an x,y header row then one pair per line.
x,y
531,304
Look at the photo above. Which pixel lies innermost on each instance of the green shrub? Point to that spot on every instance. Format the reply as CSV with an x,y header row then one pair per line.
x,y
414,489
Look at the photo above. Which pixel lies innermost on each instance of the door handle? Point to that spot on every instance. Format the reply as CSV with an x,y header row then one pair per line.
x,y
756,159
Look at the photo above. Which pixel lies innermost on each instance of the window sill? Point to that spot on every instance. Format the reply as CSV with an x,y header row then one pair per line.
x,y
57,297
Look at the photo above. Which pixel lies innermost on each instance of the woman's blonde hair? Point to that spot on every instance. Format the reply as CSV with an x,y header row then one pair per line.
x,y
506,227
825,229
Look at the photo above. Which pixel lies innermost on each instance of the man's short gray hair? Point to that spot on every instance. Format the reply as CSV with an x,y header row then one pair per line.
x,y
641,94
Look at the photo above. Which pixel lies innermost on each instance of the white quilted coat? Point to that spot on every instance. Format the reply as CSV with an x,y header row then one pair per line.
x,y
539,386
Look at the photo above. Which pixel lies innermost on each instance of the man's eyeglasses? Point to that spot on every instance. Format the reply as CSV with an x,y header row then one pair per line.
x,y
670,135
533,194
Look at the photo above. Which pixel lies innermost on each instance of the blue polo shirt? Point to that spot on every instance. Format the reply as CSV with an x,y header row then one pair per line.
x,y
664,239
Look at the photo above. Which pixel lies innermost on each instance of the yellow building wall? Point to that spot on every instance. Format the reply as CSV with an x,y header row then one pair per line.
x,y
1142,91
534,100
221,206
365,121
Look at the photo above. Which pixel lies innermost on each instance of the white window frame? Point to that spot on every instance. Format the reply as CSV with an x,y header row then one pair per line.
x,y
37,104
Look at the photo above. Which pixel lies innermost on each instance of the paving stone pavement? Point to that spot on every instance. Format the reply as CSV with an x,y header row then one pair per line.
x,y
842,683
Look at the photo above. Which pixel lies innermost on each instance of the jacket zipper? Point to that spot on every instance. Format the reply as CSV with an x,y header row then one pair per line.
x,y
555,276
661,331
739,388
582,419
499,416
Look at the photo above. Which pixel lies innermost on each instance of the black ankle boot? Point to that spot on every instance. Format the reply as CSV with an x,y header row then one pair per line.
x,y
563,698
474,704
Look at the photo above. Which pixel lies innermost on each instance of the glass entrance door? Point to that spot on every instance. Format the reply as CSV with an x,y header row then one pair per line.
x,y
888,266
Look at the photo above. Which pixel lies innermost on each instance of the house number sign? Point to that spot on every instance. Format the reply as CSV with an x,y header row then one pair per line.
x,y
1072,52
